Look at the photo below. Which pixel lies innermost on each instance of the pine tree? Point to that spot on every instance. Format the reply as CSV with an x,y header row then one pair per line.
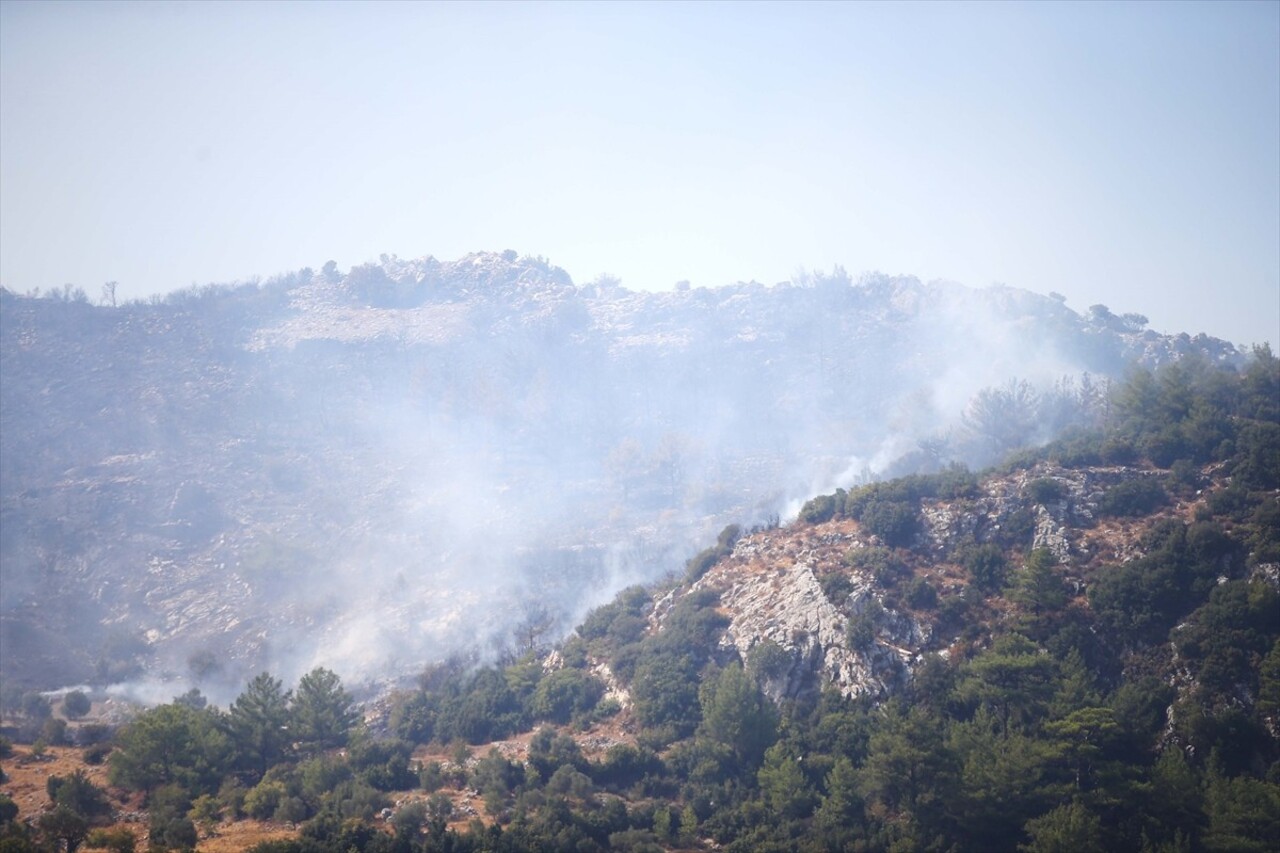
x,y
259,720
323,712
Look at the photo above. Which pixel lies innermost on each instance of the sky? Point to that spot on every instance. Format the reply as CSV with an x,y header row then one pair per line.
x,y
1126,154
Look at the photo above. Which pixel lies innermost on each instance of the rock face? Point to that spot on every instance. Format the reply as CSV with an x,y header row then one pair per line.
x,y
370,469
770,591
1059,525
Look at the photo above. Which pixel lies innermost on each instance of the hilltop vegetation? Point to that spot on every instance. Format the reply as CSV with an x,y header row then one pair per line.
x,y
1078,650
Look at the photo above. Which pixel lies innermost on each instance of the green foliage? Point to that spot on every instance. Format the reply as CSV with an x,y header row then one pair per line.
x,y
566,693
1037,586
76,704
1070,828
1133,498
1045,490
36,707
263,799
908,768
323,713
1223,644
921,595
79,795
171,744
485,709
665,692
118,839
891,510
624,765
258,721
818,510
864,625
883,564
413,716
895,522
704,560
783,786
768,660
1244,814
986,566
64,825
737,716
206,810
1004,418
1012,680
170,828
383,764
1142,599
54,732
838,820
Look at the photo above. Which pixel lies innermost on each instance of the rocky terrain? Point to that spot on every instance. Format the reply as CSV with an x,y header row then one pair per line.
x,y
772,592
371,469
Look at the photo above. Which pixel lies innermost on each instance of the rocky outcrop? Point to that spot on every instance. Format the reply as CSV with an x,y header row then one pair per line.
x,y
770,592
1057,524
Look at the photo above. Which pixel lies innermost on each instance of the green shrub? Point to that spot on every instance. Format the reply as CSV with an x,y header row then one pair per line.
x,y
880,562
263,799
819,509
895,522
768,660
1046,491
986,566
1133,498
76,704
921,595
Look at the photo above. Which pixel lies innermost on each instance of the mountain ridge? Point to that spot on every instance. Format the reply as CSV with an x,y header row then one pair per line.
x,y
238,440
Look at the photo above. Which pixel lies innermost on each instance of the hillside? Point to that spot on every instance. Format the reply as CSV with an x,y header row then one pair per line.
x,y
1077,650
338,469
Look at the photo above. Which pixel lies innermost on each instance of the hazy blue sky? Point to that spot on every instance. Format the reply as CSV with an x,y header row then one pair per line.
x,y
1127,154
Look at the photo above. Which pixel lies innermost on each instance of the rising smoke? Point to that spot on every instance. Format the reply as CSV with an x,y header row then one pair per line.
x,y
420,459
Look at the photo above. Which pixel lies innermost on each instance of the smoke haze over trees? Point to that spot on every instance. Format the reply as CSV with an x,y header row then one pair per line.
x,y
372,469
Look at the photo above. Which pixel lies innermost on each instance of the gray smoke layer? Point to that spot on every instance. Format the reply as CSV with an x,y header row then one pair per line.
x,y
375,470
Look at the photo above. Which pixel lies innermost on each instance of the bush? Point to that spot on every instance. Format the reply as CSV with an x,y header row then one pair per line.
x,y
36,707
863,627
895,522
431,777
76,704
117,839
1133,498
986,566
564,694
1016,529
836,586
173,833
881,563
54,731
921,595
93,733
818,510
1046,491
291,810
263,799
768,660
700,564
